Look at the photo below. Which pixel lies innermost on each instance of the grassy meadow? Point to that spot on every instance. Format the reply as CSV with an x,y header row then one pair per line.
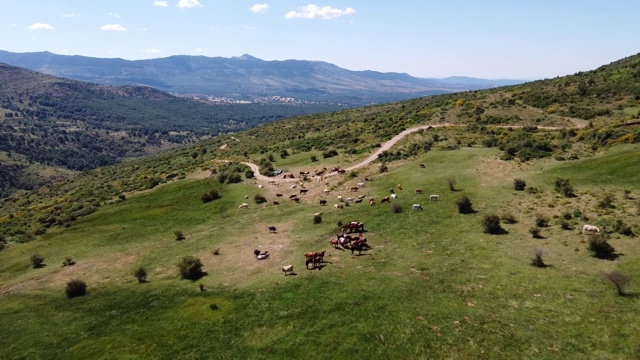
x,y
433,286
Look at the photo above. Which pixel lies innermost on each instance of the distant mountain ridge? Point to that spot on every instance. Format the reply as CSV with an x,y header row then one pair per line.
x,y
247,77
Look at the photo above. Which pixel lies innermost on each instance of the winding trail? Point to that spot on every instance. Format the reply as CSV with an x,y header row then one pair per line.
x,y
388,145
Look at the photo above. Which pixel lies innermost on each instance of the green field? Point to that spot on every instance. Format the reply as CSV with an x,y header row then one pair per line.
x,y
433,286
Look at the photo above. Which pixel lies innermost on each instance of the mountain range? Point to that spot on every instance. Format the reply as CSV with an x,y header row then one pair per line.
x,y
249,79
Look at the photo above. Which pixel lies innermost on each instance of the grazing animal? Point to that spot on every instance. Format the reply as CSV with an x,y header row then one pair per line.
x,y
434,197
399,187
256,252
293,196
371,202
335,243
362,196
279,195
418,191
260,186
590,229
311,261
246,196
287,269
358,201
391,191
262,256
421,165
272,229
417,207
353,226
394,196
326,191
354,188
350,199
339,197
323,202
294,186
318,214
303,191
360,247
361,184
384,199
244,206
338,206
317,255
342,171
276,203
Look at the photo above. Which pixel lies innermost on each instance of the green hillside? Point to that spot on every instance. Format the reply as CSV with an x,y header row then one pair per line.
x,y
434,284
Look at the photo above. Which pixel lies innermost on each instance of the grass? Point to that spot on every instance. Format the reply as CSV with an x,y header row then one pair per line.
x,y
434,286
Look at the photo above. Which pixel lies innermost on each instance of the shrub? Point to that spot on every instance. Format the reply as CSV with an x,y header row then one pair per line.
x,y
314,158
464,205
537,259
509,219
535,232
352,175
317,219
618,279
259,199
606,202
542,221
519,184
564,187
329,153
623,229
75,288
567,215
566,226
37,261
491,224
249,174
140,274
600,247
533,190
216,251
396,208
190,267
383,168
210,195
178,234
451,182
68,261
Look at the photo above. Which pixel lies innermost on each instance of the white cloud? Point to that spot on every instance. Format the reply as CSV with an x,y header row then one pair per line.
x,y
161,3
150,51
198,50
68,15
64,51
188,4
258,8
112,27
115,15
312,11
249,28
40,26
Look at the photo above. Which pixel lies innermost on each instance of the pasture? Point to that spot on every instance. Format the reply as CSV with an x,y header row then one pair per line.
x,y
433,286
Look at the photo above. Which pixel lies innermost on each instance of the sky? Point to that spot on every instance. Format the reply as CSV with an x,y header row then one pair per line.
x,y
491,39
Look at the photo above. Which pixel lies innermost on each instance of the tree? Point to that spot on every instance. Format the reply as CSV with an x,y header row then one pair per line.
x,y
190,268
249,174
464,205
140,274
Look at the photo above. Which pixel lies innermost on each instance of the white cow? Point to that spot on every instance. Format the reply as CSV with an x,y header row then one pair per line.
x,y
294,186
417,207
362,196
350,199
318,214
287,269
339,197
326,191
590,229
434,197
338,206
361,185
394,196
244,206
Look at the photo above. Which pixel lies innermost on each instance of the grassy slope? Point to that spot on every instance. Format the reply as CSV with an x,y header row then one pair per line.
x,y
434,286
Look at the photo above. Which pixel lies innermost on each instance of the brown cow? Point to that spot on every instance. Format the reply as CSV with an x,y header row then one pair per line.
x,y
421,165
384,199
399,187
354,188
371,202
418,191
303,191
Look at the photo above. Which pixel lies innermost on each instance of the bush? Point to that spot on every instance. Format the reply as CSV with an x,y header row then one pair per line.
x,y
618,279
329,153
564,187
519,184
537,259
140,274
535,232
623,229
314,158
396,208
68,261
179,235
566,226
75,288
37,261
317,219
542,221
259,199
210,195
464,205
606,202
383,168
600,247
567,215
491,224
451,182
509,219
190,267
249,174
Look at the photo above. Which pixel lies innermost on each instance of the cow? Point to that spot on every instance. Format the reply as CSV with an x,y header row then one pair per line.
x,y
260,186
262,256
421,165
354,188
399,187
272,229
340,198
279,195
394,196
384,199
434,197
323,202
276,203
327,191
417,207
342,171
362,196
303,191
317,214
338,206
287,269
418,191
335,243
294,186
371,202
361,185
350,199
590,229
391,191
244,206
358,201
293,196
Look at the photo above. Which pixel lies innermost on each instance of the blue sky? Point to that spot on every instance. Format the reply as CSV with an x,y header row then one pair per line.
x,y
425,38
